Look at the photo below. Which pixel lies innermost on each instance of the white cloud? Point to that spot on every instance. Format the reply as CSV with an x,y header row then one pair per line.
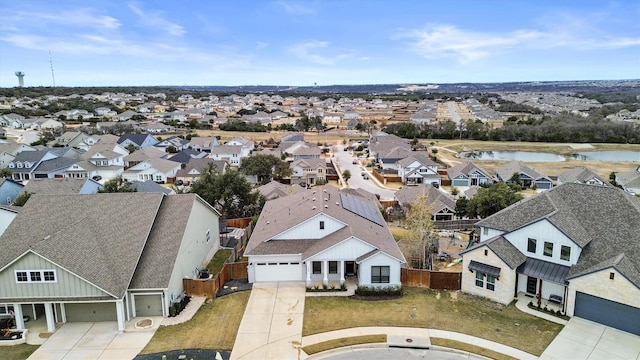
x,y
296,8
309,51
449,41
155,20
72,18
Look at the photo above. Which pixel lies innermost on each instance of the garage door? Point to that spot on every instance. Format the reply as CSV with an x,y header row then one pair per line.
x,y
91,312
283,271
148,305
607,312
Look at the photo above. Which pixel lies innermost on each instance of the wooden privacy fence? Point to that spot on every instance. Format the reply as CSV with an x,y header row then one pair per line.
x,y
431,279
209,287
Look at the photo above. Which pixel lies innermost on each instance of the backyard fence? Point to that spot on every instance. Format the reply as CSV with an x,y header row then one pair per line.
x,y
209,287
460,224
431,279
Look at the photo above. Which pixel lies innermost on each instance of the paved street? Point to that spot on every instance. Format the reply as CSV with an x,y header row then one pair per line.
x,y
344,159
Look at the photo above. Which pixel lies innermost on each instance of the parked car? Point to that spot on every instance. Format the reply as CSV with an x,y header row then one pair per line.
x,y
354,162
97,178
435,184
179,182
366,177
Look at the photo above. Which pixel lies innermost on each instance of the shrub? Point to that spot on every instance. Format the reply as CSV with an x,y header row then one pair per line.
x,y
375,291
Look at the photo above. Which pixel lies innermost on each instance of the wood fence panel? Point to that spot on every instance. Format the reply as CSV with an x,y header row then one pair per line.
x,y
430,279
209,287
446,280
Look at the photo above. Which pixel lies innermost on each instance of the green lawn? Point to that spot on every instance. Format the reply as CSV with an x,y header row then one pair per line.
x,y
17,352
216,264
214,326
444,310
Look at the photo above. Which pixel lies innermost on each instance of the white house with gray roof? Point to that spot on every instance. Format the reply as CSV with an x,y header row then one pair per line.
x,y
155,169
418,169
577,245
529,177
322,235
468,174
74,258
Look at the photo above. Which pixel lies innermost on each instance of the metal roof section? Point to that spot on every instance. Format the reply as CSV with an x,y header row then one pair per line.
x,y
544,270
361,208
484,268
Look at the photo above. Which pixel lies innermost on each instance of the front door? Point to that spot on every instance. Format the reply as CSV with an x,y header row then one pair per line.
x,y
531,285
350,268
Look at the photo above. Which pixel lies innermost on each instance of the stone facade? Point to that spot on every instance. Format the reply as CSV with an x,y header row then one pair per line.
x,y
599,284
504,286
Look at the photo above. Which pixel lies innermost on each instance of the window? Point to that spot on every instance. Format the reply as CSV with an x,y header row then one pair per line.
x,y
321,225
36,276
612,275
491,282
565,253
317,267
548,249
485,231
333,267
479,279
5,309
531,245
207,236
380,274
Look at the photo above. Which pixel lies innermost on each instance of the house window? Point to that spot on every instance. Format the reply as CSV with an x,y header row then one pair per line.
x,y
5,309
321,225
36,276
317,267
207,237
491,282
485,231
380,274
548,249
531,245
479,279
565,253
333,267
611,275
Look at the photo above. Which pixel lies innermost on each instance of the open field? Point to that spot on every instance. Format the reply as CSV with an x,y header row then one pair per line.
x,y
433,309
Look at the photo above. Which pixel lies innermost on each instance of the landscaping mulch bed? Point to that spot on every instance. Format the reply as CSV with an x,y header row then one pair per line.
x,y
192,354
233,286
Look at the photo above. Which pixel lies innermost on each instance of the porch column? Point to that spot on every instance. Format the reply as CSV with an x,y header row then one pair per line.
x,y
48,314
63,312
120,314
325,272
341,272
17,312
308,273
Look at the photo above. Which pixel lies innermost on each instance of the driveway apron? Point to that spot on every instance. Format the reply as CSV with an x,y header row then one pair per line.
x,y
271,327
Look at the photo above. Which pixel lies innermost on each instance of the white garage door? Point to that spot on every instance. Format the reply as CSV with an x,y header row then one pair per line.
x,y
282,271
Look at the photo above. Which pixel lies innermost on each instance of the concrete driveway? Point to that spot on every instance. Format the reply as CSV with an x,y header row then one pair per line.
x,y
93,341
271,327
586,340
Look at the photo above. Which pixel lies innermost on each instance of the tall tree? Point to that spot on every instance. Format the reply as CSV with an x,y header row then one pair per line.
x,y
229,192
489,201
420,224
265,167
117,185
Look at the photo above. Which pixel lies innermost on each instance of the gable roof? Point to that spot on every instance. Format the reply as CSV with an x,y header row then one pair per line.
x,y
466,168
279,215
199,165
86,234
419,157
187,155
580,174
506,171
274,189
149,186
435,198
56,186
506,251
604,221
137,139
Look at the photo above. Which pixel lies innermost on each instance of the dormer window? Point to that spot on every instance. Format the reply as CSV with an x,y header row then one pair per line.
x,y
12,165
27,164
19,165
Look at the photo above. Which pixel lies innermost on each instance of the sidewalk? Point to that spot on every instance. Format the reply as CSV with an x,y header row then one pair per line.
x,y
421,335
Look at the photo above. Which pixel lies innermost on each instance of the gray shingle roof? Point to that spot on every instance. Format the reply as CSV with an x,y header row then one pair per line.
x,y
274,189
422,158
99,237
467,168
436,198
506,251
506,171
281,214
62,186
604,221
579,174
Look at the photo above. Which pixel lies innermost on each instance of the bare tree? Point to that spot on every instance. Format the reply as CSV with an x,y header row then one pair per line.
x,y
421,227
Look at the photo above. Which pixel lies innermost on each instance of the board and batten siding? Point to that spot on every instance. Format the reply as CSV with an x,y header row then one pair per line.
x,y
490,233
349,249
194,250
379,259
310,229
66,284
543,231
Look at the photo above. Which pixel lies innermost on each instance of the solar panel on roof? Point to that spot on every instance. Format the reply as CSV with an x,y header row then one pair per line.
x,y
361,208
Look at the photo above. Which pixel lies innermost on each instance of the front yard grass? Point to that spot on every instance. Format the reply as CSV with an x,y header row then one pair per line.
x,y
342,342
214,327
18,352
433,309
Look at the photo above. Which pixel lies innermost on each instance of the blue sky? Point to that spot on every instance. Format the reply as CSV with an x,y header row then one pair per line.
x,y
240,42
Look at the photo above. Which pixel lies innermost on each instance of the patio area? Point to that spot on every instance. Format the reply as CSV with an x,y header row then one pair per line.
x,y
522,303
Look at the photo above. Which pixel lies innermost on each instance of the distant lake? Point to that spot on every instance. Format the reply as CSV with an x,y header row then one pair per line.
x,y
511,155
607,156
527,156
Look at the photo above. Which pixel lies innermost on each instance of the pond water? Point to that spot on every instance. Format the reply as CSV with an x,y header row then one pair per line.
x,y
526,156
607,156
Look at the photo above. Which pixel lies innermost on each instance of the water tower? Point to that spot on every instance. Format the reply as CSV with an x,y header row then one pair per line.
x,y
20,76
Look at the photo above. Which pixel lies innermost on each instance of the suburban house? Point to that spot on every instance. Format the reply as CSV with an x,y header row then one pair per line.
x,y
87,143
418,169
74,258
101,161
9,150
203,144
185,156
308,171
443,206
9,190
629,180
192,170
274,189
155,169
29,165
139,141
582,175
468,174
576,245
528,176
141,155
230,153
71,138
247,145
178,143
322,235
